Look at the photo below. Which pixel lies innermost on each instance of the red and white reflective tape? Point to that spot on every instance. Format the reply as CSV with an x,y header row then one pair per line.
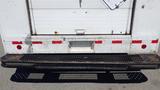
x,y
136,41
17,42
37,42
98,42
116,41
155,41
57,42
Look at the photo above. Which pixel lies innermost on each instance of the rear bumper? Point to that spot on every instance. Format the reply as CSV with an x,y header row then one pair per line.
x,y
82,61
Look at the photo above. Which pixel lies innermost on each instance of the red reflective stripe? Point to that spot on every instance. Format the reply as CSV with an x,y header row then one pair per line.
x,y
136,41
155,41
36,42
56,42
17,42
117,41
98,42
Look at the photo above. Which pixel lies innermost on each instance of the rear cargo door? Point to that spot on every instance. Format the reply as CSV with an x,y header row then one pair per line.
x,y
80,16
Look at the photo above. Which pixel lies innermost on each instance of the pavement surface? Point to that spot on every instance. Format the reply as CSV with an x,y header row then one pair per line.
x,y
153,82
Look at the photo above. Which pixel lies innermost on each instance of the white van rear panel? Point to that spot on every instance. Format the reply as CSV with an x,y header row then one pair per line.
x,y
45,27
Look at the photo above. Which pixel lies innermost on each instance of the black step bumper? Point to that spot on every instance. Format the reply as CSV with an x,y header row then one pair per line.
x,y
82,61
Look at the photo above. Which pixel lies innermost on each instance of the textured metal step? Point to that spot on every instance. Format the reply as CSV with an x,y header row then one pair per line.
x,y
48,76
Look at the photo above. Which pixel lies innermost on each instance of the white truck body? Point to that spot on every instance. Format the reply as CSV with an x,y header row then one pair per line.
x,y
80,26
